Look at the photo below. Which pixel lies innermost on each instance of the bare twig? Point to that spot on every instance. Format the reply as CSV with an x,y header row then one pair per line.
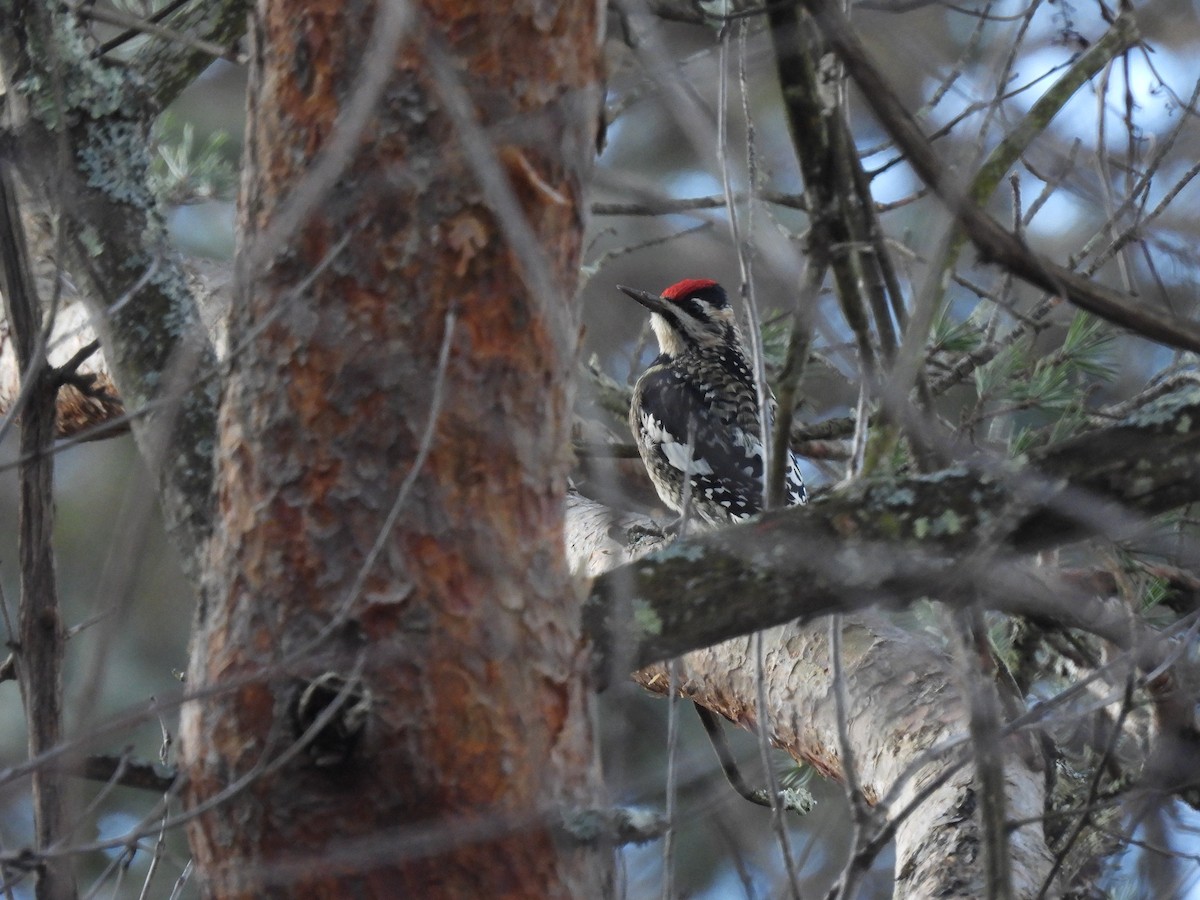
x,y
664,206
984,727
1093,794
115,16
766,425
994,243
40,625
668,850
130,33
860,813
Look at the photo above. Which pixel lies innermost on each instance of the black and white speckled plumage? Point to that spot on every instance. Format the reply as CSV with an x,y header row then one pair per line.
x,y
702,382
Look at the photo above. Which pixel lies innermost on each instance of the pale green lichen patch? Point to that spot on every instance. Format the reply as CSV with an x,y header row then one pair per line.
x,y
1166,410
91,240
947,523
901,496
921,528
114,159
684,550
180,319
645,617
1139,487
79,84
886,493
953,473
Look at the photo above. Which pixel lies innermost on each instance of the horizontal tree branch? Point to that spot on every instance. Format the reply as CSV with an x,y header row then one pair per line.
x,y
123,770
169,65
889,542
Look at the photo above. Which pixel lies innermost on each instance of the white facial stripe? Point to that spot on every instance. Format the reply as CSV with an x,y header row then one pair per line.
x,y
705,329
669,341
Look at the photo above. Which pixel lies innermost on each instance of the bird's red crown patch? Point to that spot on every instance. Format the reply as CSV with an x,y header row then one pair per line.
x,y
688,286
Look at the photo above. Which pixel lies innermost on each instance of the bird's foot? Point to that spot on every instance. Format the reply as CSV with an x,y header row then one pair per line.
x,y
651,531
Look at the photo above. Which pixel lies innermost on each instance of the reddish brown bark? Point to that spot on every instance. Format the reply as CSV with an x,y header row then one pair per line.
x,y
466,629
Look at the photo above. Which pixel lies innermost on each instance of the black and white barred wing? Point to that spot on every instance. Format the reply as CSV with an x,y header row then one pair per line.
x,y
726,460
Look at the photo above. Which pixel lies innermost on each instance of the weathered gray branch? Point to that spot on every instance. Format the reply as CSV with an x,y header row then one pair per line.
x,y
40,637
168,66
79,131
890,542
903,698
960,536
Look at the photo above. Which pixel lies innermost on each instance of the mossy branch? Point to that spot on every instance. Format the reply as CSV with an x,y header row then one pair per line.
x,y
958,533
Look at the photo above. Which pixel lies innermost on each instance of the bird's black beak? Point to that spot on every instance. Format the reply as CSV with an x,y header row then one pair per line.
x,y
652,302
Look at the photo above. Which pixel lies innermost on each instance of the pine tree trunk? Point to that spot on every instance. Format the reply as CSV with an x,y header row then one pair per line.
x,y
368,246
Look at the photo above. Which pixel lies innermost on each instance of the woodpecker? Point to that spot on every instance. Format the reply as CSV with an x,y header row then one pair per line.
x,y
700,392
